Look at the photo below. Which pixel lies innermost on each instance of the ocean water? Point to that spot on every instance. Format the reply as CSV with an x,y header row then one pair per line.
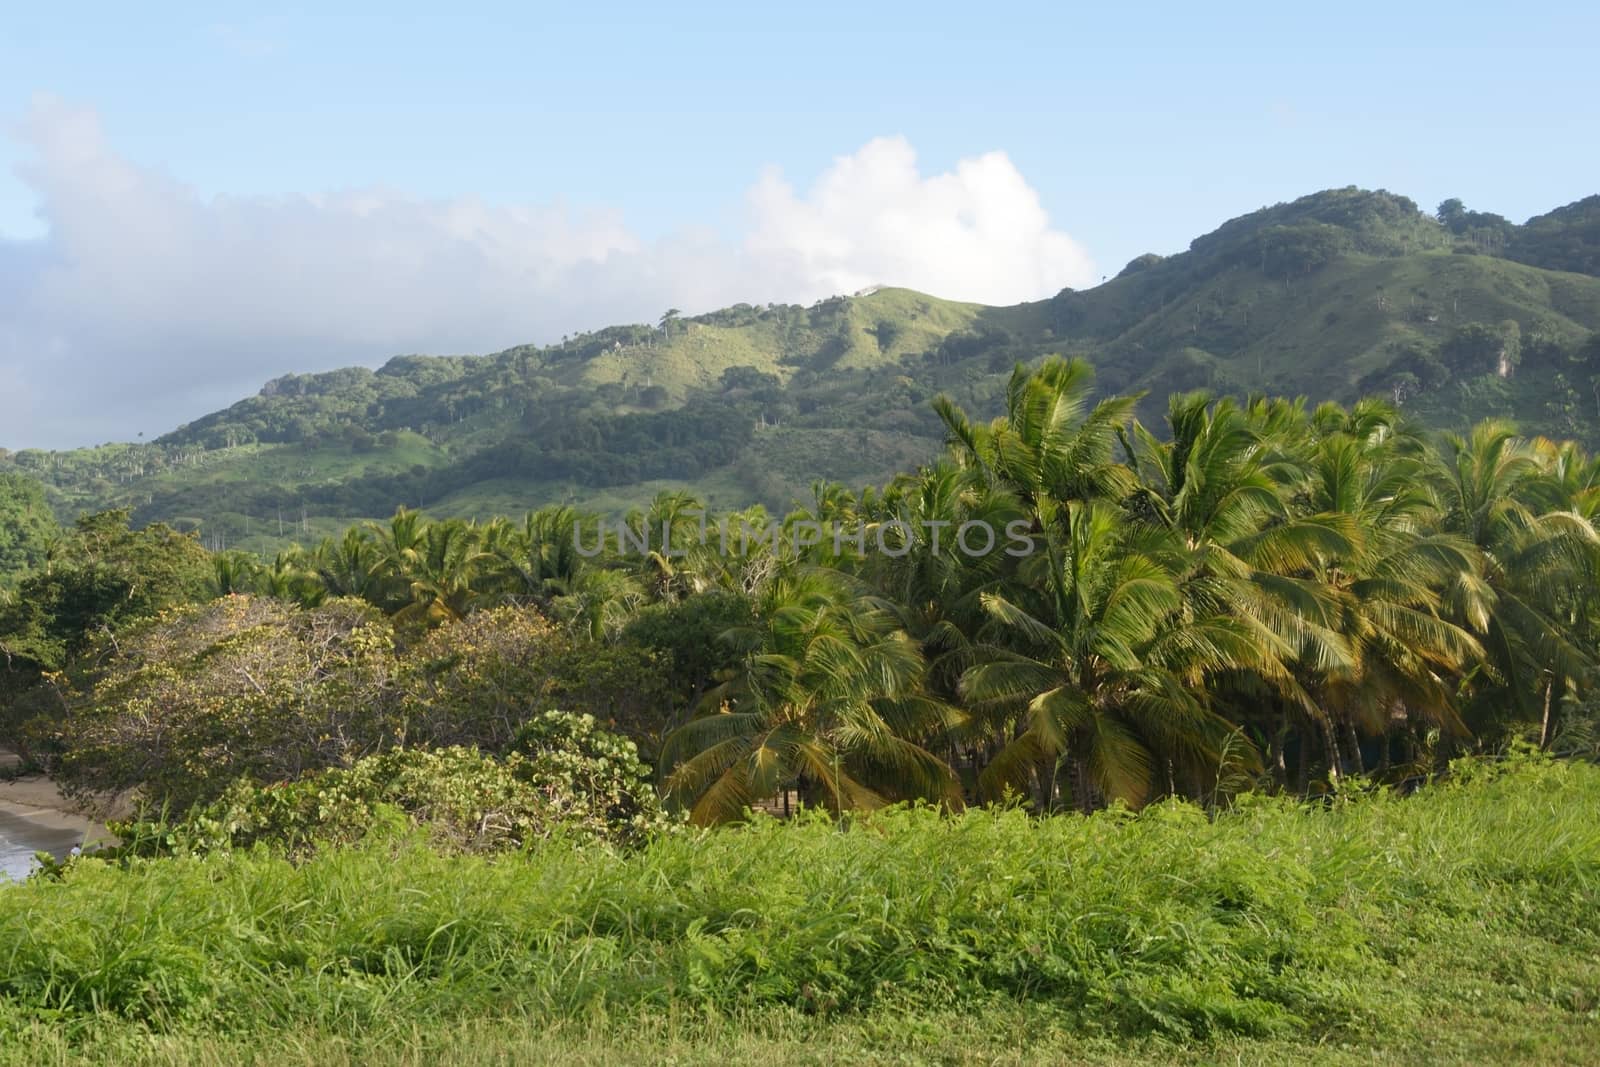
x,y
20,839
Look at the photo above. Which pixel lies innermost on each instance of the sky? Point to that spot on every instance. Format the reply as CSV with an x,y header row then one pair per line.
x,y
197,198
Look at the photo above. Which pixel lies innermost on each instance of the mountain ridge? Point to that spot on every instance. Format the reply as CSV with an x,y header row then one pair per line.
x,y
1454,315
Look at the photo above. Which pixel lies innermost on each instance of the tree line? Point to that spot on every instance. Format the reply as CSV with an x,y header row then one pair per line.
x,y
1258,593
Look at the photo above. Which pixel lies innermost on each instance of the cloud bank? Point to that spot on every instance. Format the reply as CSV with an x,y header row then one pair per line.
x,y
147,305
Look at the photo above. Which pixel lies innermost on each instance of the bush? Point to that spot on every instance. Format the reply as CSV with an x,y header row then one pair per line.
x,y
250,687
592,777
568,777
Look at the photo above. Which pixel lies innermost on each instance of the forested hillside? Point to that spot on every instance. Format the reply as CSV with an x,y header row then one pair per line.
x,y
1453,316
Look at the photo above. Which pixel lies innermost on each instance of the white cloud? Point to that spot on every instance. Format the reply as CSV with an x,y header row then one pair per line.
x,y
977,233
146,304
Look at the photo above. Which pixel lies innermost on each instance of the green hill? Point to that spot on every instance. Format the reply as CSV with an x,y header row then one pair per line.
x,y
1456,315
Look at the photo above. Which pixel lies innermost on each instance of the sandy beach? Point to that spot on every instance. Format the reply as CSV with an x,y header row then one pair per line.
x,y
36,799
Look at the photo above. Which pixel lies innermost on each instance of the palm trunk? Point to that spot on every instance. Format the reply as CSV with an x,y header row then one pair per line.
x,y
1544,725
1302,771
1042,785
1275,762
1355,765
1078,779
1330,742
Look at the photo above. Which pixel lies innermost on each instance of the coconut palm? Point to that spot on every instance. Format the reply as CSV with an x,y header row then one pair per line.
x,y
1229,484
538,560
1095,660
439,571
600,601
1407,657
1491,484
353,566
289,577
398,543
235,572
1049,444
828,700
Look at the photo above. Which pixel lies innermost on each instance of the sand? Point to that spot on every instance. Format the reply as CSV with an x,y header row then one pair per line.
x,y
36,799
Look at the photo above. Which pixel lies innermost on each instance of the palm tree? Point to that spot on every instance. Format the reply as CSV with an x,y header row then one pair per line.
x,y
287,577
1049,444
923,558
399,544
829,700
674,528
1407,658
1095,659
439,573
599,602
1229,484
536,562
1491,484
353,566
235,572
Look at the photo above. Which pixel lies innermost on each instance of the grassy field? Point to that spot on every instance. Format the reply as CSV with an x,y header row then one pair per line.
x,y
1458,925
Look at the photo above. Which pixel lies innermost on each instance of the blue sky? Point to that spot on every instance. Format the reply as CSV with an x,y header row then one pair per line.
x,y
643,134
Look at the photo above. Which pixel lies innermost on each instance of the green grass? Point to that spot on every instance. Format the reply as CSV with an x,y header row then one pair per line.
x,y
992,1034
697,353
1462,924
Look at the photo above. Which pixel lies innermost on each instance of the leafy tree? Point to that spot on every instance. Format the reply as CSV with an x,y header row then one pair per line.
x,y
1480,349
688,635
27,528
478,681
104,576
242,687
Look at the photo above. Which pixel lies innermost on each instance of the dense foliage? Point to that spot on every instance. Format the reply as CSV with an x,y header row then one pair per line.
x,y
100,576
395,779
563,776
1256,592
27,527
182,705
185,704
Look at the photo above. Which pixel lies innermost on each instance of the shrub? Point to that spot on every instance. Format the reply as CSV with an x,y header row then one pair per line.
x,y
250,687
592,777
568,777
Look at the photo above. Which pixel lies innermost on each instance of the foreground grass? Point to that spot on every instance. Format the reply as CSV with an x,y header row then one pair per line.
x,y
1000,1034
1461,924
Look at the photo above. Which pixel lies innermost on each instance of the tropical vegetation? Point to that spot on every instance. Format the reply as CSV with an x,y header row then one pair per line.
x,y
1262,725
1255,591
